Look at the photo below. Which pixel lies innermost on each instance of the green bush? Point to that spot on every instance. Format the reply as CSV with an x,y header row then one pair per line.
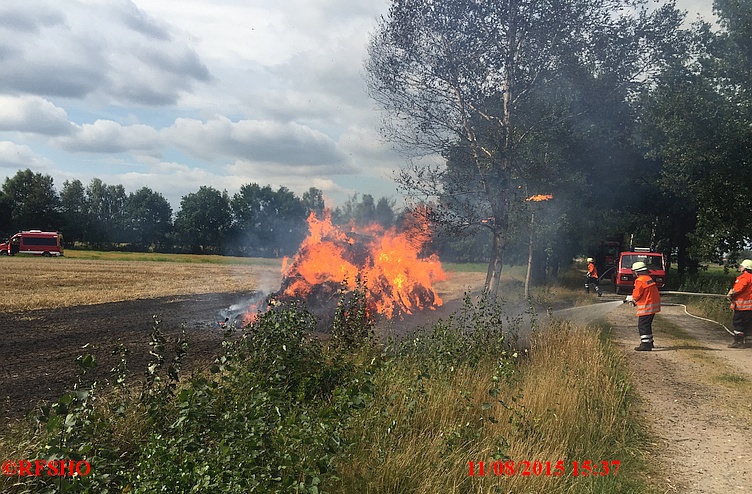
x,y
268,418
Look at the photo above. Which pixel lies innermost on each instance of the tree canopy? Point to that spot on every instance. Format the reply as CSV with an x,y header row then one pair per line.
x,y
256,221
699,123
485,80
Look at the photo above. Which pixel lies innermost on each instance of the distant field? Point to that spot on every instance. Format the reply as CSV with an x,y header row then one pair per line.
x,y
181,258
93,277
86,277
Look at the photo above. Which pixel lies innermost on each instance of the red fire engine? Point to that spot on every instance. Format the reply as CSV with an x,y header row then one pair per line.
x,y
624,278
35,242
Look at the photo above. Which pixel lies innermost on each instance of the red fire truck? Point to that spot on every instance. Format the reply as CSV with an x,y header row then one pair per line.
x,y
624,278
35,242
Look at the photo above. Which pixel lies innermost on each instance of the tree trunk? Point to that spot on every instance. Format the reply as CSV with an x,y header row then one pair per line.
x,y
529,257
493,276
498,196
491,266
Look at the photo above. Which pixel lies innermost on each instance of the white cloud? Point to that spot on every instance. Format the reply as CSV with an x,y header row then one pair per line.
x,y
284,144
32,114
108,50
232,92
176,94
14,157
106,136
695,9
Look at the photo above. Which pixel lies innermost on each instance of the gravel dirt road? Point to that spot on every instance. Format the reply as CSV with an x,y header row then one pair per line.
x,y
696,398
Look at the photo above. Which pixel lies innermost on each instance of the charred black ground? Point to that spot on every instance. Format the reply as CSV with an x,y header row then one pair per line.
x,y
38,348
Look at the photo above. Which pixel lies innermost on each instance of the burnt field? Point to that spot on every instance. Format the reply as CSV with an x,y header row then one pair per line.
x,y
39,347
61,309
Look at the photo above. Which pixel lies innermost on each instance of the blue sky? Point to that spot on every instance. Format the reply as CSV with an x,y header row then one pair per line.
x,y
176,94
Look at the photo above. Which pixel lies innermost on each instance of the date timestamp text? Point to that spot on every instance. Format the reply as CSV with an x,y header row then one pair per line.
x,y
538,468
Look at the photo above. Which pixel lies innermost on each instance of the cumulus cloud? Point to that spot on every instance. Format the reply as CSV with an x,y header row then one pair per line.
x,y
175,94
698,9
111,50
14,156
106,136
287,144
33,114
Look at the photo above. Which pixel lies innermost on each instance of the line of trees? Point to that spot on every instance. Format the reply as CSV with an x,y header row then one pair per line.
x,y
256,221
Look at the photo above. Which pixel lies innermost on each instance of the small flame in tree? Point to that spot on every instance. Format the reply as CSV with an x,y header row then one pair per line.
x,y
398,280
539,197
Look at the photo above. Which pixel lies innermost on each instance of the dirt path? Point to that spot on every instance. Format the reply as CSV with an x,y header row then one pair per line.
x,y
696,396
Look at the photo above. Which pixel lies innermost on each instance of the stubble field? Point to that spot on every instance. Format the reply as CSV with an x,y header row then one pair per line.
x,y
54,310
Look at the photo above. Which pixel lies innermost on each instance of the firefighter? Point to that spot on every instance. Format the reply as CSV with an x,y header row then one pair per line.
x,y
592,278
741,303
646,297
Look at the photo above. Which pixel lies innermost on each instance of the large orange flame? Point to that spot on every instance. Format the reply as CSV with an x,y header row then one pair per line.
x,y
398,279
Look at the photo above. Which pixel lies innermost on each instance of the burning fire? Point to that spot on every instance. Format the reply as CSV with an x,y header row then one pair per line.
x,y
539,197
398,280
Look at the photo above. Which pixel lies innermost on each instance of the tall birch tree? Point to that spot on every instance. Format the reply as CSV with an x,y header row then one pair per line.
x,y
470,74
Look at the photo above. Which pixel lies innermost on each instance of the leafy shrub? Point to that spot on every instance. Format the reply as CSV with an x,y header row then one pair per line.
x,y
353,321
267,418
78,428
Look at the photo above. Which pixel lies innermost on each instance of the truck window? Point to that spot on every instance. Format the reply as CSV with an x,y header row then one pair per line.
x,y
652,262
40,241
627,261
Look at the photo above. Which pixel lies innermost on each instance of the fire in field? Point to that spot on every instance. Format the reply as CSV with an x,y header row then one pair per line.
x,y
388,261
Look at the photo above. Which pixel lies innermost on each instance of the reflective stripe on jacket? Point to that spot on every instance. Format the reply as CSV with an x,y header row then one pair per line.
x,y
742,299
646,296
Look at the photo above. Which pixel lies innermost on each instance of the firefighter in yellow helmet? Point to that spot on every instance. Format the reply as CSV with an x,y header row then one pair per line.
x,y
740,296
592,278
646,297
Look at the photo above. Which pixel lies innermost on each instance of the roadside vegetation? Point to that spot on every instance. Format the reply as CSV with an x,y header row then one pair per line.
x,y
281,412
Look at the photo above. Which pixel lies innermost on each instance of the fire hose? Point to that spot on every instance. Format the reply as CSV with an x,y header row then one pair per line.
x,y
605,273
692,315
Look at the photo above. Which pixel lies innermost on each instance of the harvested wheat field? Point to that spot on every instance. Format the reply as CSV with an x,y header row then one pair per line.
x,y
38,283
56,309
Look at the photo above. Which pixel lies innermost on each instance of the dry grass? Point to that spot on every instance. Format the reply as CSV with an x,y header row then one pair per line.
x,y
569,404
36,282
